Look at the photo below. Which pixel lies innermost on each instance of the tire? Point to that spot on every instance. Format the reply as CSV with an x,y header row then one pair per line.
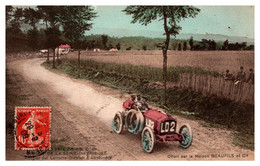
x,y
187,136
134,121
128,118
117,123
141,122
148,139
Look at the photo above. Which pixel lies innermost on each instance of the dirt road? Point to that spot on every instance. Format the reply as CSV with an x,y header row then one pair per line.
x,y
81,118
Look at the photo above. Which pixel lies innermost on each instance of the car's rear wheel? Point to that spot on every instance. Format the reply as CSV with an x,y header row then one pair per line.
x,y
132,121
148,139
187,136
117,123
128,118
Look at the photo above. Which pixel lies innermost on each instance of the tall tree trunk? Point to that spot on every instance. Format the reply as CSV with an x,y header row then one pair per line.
x,y
165,75
58,54
164,50
53,65
46,24
58,57
78,63
48,56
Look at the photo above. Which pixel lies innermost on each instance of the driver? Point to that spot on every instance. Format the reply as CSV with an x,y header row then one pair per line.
x,y
142,104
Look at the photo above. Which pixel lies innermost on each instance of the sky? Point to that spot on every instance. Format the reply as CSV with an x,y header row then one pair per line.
x,y
225,20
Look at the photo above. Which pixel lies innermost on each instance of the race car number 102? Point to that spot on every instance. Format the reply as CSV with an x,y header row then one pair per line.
x,y
168,126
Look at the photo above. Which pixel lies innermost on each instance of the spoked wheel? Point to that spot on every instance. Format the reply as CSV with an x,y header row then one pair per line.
x,y
134,121
128,118
117,123
148,139
187,136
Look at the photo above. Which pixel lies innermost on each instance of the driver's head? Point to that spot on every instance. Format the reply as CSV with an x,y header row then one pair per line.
x,y
139,97
133,96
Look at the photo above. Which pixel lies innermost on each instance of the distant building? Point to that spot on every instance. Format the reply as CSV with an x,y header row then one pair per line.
x,y
96,49
43,51
113,49
63,49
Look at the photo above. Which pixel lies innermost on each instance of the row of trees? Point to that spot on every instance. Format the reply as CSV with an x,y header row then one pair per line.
x,y
205,44
70,22
106,42
62,23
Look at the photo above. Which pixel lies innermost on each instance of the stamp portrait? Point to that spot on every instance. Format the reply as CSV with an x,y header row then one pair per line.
x,y
32,128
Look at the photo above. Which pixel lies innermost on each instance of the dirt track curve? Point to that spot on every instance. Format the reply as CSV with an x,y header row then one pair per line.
x,y
82,112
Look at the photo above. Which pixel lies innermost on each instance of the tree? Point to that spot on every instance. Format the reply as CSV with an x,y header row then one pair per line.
x,y
174,45
170,15
8,14
53,40
49,14
204,44
191,43
213,45
110,46
75,21
15,38
31,17
104,41
14,19
243,45
118,46
179,47
32,38
92,44
185,46
225,46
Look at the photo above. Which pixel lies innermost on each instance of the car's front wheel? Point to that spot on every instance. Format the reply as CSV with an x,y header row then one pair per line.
x,y
187,136
148,139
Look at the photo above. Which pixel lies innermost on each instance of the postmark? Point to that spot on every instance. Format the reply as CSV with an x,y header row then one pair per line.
x,y
32,128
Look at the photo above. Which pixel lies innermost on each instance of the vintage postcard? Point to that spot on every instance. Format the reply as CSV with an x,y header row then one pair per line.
x,y
130,83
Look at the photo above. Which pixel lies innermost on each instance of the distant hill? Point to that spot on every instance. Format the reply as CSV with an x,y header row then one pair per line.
x,y
158,34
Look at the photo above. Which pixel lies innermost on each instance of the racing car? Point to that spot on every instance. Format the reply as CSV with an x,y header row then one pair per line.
x,y
154,125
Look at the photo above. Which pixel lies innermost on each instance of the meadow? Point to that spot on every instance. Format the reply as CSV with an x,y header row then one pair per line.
x,y
206,68
217,61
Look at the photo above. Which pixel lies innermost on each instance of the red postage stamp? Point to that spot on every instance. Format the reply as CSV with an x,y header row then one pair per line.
x,y
32,128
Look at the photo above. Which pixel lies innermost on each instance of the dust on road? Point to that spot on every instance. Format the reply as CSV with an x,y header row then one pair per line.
x,y
83,111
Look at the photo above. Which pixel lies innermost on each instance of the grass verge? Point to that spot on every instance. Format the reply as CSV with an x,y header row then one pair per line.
x,y
131,79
